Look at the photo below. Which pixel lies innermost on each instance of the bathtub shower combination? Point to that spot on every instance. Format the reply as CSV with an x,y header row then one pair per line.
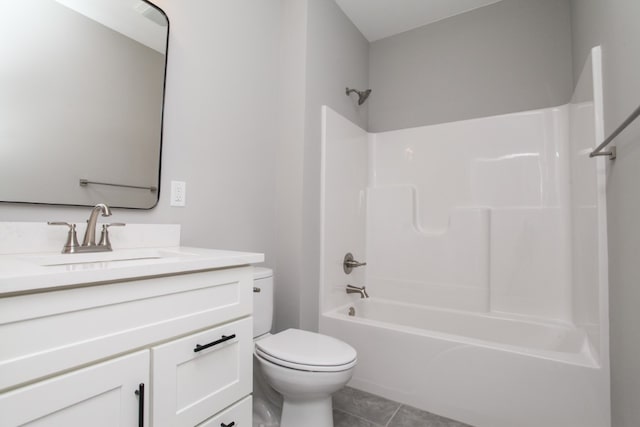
x,y
485,243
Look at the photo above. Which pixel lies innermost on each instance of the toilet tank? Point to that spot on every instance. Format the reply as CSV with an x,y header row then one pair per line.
x,y
262,300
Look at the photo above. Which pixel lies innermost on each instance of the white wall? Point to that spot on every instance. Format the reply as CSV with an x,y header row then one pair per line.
x,y
613,24
514,55
220,128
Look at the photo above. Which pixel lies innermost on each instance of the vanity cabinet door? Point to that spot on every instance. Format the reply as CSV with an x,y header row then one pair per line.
x,y
102,395
192,383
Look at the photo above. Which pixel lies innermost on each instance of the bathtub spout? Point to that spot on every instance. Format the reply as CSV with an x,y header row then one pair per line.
x,y
356,290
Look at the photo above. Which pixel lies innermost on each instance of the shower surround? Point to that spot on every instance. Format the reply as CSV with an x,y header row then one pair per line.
x,y
485,244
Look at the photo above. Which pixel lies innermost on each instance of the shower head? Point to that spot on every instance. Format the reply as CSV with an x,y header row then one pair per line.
x,y
362,94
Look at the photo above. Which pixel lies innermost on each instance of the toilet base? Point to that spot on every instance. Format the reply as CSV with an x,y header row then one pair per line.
x,y
307,413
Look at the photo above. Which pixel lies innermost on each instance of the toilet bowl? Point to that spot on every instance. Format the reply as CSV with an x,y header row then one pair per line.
x,y
267,402
306,368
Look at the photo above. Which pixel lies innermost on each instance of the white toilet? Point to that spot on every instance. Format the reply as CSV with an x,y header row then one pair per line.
x,y
305,367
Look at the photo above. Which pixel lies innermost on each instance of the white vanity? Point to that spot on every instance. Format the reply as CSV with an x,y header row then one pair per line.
x,y
149,336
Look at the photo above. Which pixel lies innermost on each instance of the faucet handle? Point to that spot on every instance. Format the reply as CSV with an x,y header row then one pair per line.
x,y
104,237
114,224
349,263
71,245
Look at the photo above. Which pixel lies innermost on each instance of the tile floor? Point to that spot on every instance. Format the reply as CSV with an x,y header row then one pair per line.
x,y
355,408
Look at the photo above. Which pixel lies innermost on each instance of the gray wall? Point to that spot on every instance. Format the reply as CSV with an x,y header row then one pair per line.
x,y
220,128
288,174
334,55
514,55
337,57
613,24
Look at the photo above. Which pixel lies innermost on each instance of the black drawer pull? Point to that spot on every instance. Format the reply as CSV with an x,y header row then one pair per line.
x,y
211,344
140,393
228,425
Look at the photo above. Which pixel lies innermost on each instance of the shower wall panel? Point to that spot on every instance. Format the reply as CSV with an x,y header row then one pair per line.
x,y
344,181
439,268
507,177
588,205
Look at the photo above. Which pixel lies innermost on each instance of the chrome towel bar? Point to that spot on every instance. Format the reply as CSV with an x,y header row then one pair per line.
x,y
85,182
612,152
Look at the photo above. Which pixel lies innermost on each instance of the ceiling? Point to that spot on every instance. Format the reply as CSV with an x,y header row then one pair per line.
x,y
132,18
377,19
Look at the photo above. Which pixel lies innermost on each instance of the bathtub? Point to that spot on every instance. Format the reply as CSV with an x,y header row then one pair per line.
x,y
486,370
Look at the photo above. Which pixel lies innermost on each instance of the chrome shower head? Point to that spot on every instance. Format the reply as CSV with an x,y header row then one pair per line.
x,y
362,95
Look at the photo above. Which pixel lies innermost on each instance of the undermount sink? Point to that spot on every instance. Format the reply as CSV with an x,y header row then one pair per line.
x,y
115,256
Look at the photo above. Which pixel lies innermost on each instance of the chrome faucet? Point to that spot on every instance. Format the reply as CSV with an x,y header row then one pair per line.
x,y
90,233
356,290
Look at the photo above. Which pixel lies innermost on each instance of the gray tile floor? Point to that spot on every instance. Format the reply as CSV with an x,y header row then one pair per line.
x,y
355,408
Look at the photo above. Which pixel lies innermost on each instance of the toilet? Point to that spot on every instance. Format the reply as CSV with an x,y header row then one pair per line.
x,y
306,368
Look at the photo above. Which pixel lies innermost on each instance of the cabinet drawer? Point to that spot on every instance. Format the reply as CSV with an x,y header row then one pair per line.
x,y
58,330
102,395
190,386
239,414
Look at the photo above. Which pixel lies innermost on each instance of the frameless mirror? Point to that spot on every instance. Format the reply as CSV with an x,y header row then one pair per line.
x,y
81,101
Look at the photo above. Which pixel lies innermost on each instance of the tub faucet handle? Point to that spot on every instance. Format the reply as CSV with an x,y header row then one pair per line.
x,y
349,263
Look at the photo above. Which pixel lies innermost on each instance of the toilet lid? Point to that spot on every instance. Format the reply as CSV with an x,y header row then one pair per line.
x,y
305,350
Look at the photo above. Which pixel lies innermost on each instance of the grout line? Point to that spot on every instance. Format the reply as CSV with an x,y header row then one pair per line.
x,y
393,416
361,418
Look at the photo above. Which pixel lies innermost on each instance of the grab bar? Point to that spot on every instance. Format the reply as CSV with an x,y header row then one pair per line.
x,y
85,182
612,152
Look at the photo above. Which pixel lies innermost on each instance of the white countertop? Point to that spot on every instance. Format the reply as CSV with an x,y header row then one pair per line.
x,y
30,272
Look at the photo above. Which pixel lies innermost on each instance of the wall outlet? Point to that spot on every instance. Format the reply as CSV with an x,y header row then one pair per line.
x,y
178,193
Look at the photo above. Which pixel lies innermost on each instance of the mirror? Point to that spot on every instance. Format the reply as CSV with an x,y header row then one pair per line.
x,y
82,95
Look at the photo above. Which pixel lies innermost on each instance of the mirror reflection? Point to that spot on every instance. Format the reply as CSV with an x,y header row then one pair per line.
x,y
82,89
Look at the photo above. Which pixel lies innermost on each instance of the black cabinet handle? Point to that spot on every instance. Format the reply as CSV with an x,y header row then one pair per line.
x,y
228,425
211,344
140,393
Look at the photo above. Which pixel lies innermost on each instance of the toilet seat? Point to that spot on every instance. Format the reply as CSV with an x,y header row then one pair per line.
x,y
306,351
303,367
